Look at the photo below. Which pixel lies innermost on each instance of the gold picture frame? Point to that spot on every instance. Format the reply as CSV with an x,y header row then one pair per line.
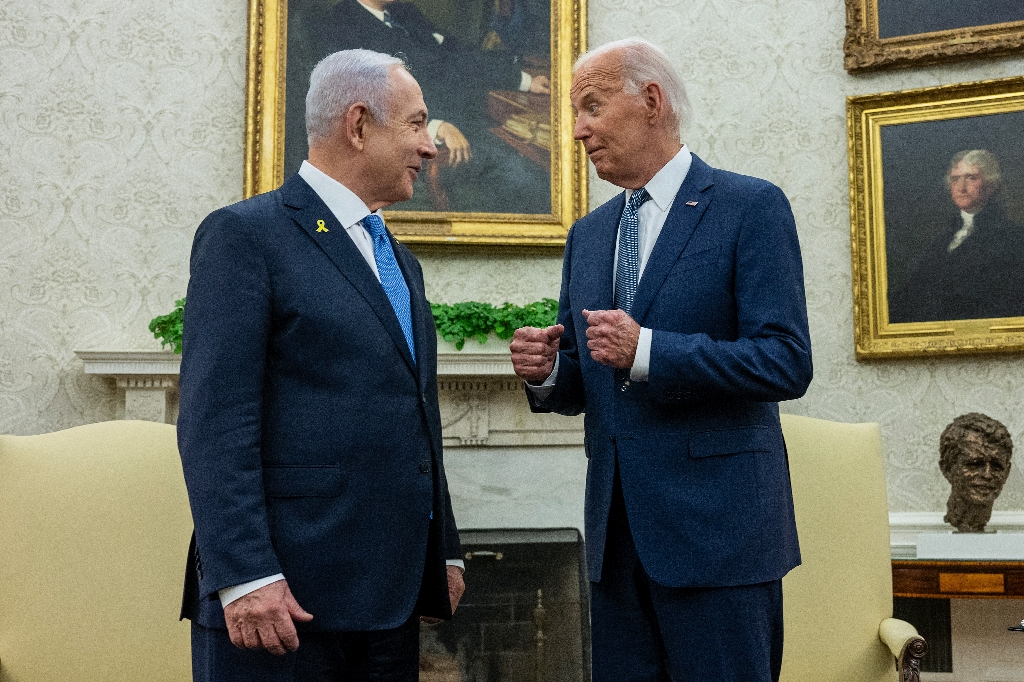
x,y
265,127
903,149
865,50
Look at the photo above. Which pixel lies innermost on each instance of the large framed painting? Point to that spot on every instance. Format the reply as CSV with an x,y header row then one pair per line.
x,y
495,76
900,33
937,214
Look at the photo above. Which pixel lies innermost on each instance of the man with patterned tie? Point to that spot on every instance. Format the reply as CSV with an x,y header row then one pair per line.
x,y
682,323
309,427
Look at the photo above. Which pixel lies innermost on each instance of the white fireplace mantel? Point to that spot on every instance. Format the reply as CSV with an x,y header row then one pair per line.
x,y
482,401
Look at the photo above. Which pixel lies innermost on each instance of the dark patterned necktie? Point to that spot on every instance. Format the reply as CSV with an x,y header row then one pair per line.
x,y
627,267
391,277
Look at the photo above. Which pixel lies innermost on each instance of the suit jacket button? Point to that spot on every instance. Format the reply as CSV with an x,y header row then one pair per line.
x,y
425,467
624,388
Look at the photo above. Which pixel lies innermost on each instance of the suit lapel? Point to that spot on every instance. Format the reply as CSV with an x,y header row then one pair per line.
x,y
338,246
679,226
422,318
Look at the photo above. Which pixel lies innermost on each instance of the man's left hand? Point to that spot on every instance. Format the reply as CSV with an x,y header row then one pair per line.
x,y
541,85
456,586
612,337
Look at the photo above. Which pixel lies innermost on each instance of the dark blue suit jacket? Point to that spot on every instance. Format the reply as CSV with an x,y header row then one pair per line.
x,y
311,441
699,445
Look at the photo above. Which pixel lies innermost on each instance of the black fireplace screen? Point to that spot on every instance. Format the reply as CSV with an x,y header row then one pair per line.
x,y
524,616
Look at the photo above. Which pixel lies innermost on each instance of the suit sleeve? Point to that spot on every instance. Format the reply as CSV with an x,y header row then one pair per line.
x,y
227,323
567,397
770,358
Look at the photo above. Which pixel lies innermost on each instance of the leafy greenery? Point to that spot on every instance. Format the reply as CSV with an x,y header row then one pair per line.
x,y
471,320
167,328
454,322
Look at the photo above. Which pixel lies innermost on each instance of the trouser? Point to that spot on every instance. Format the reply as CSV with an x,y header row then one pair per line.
x,y
646,632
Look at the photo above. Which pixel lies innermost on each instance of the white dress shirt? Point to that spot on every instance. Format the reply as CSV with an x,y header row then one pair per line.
x,y
525,80
350,211
651,217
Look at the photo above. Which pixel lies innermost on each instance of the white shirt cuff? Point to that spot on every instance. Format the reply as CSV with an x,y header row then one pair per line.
x,y
432,127
642,362
230,594
543,390
457,562
525,82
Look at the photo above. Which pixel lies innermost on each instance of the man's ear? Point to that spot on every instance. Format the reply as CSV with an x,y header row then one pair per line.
x,y
355,121
654,101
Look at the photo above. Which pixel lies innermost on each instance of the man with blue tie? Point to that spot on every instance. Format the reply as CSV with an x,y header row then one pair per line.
x,y
681,324
309,427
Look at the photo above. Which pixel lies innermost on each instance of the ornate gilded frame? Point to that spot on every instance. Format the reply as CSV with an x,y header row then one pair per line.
x,y
264,138
875,337
865,51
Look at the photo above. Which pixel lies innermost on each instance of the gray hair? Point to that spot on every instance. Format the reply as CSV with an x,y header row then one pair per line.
x,y
643,63
983,159
342,79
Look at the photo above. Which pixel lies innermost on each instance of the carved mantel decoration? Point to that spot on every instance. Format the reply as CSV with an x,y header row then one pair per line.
x,y
482,402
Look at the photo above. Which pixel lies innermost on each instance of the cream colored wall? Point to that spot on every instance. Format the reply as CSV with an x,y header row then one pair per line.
x,y
121,127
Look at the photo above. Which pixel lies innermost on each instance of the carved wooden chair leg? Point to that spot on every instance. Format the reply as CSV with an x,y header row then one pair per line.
x,y
909,663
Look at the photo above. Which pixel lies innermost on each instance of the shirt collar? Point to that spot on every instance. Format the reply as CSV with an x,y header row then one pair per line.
x,y
375,12
343,203
665,184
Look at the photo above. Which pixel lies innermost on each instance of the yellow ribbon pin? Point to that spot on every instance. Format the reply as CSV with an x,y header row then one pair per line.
x,y
320,227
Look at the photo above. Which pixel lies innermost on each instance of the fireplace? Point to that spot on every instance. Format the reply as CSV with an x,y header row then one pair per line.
x,y
524,617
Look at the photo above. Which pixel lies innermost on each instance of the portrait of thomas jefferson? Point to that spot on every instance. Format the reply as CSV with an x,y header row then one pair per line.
x,y
974,269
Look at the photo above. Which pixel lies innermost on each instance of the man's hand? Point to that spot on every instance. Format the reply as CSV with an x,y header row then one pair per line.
x,y
612,337
263,619
534,351
456,587
541,84
458,145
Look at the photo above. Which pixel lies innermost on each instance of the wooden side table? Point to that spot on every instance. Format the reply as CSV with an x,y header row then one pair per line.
x,y
958,579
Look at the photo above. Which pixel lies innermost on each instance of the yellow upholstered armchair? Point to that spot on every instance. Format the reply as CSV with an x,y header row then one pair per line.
x,y
838,604
94,526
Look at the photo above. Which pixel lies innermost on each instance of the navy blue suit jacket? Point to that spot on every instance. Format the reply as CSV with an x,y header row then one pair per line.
x,y
699,445
310,440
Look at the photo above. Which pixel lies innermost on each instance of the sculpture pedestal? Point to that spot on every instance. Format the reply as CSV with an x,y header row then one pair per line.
x,y
996,546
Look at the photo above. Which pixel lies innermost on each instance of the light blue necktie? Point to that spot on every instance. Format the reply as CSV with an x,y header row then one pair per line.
x,y
391,277
627,268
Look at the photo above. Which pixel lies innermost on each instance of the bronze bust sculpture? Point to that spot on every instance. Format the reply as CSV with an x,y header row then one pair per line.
x,y
974,456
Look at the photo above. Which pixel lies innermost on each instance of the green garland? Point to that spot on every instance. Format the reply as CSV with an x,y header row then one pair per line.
x,y
471,320
167,328
455,323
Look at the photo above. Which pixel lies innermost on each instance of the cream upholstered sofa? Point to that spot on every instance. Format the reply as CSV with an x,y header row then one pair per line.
x,y
838,603
94,528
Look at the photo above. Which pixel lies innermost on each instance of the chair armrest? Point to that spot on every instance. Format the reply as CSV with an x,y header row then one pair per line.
x,y
906,645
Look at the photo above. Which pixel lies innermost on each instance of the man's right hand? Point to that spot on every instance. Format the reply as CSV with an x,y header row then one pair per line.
x,y
263,619
534,351
459,151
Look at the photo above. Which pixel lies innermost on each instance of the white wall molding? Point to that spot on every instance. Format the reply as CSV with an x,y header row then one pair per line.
x,y
905,526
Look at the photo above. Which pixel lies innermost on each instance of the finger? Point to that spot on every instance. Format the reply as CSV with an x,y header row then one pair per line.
x,y
249,637
286,637
235,634
295,611
269,639
554,333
